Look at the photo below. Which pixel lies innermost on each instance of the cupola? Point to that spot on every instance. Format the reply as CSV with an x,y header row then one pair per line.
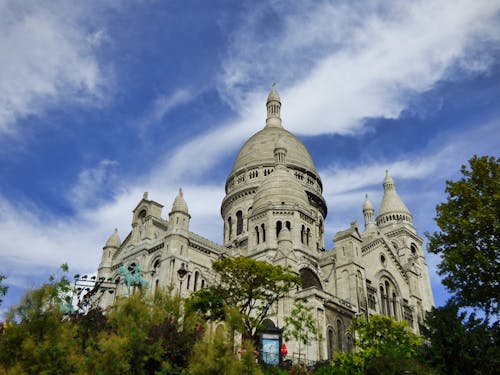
x,y
392,209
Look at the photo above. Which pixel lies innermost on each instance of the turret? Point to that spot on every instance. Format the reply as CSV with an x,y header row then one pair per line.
x,y
369,215
179,215
112,244
392,209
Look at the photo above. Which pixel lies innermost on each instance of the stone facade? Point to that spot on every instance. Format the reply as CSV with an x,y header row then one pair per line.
x,y
274,211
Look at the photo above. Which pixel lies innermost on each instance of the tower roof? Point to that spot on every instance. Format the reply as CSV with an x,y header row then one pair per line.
x,y
391,202
113,240
180,204
273,95
368,204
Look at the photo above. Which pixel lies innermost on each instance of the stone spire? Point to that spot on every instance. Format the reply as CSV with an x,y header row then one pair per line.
x,y
392,209
369,214
273,105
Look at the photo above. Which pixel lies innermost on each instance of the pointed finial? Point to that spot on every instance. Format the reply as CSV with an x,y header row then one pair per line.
x,y
180,192
274,84
145,195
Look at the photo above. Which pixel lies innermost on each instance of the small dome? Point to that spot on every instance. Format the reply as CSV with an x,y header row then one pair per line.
x,y
285,235
273,95
113,240
368,204
281,188
180,204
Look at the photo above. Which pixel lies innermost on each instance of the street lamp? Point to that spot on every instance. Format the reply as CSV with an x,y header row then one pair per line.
x,y
181,272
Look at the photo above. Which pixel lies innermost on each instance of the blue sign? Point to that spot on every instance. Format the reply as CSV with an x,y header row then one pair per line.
x,y
271,349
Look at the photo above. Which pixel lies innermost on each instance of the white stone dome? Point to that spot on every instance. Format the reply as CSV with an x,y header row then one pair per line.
x,y
281,188
113,240
259,150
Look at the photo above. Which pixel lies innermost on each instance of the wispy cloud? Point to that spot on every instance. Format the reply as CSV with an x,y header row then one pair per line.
x,y
95,184
163,105
340,63
48,54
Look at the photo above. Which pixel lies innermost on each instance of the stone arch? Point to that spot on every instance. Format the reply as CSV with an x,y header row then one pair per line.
x,y
413,249
309,279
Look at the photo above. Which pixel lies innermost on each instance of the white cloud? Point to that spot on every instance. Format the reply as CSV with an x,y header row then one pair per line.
x,y
95,184
48,56
164,104
341,63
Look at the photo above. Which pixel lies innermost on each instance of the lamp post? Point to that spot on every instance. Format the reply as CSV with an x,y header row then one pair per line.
x,y
181,272
90,290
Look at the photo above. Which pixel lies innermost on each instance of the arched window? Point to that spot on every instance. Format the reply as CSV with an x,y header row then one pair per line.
x,y
188,282
239,222
257,234
263,233
196,276
339,335
330,343
308,234
229,227
382,300
142,214
279,225
288,225
248,218
309,279
413,248
388,306
349,343
394,309
302,233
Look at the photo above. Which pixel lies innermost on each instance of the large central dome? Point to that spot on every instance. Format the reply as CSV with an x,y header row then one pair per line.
x,y
259,150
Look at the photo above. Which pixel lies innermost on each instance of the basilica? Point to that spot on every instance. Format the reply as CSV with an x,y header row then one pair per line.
x,y
274,211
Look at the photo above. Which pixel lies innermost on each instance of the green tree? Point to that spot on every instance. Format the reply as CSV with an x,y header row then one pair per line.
x,y
460,343
36,340
215,355
249,285
301,325
469,236
383,346
3,288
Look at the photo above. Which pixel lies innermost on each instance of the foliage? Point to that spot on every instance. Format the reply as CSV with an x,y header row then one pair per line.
x,y
39,342
383,345
469,236
460,343
249,285
381,335
215,355
3,288
301,326
139,335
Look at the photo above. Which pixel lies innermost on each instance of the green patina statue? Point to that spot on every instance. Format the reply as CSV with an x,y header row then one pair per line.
x,y
132,276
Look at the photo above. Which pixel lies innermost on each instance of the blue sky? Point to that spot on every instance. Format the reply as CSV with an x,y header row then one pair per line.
x,y
103,100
